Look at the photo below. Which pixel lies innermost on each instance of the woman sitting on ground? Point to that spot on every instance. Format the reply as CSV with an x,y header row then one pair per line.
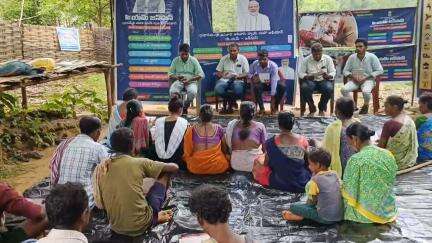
x,y
204,145
137,121
424,128
285,158
245,138
119,111
169,134
335,140
399,135
368,180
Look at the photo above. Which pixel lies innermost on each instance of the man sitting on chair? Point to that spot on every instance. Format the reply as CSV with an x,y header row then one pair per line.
x,y
316,73
361,68
184,72
232,70
263,74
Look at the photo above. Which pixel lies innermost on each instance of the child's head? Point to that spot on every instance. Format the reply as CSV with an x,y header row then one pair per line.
x,y
67,207
211,205
319,160
134,109
425,103
130,94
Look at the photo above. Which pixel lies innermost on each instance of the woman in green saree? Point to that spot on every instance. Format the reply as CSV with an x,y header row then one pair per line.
x,y
399,134
368,180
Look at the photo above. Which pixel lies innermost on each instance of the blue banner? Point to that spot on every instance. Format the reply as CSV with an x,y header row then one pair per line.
x,y
254,25
148,33
397,62
341,29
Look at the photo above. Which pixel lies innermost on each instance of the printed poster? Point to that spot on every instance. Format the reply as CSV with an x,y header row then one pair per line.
x,y
253,25
341,29
148,33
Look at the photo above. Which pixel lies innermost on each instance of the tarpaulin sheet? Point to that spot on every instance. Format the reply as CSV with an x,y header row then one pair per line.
x,y
257,210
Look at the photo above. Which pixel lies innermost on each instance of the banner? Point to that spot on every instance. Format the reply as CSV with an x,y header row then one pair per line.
x,y
425,57
397,62
254,25
341,29
148,33
69,39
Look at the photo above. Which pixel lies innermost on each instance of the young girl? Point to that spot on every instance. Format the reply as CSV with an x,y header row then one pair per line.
x,y
324,204
137,121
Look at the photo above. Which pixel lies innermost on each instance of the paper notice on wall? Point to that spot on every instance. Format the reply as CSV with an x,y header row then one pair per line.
x,y
69,39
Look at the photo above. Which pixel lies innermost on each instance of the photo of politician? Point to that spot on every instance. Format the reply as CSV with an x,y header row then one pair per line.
x,y
330,29
249,18
149,6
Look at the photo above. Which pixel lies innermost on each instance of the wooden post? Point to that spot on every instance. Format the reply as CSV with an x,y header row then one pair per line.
x,y
107,74
24,97
23,94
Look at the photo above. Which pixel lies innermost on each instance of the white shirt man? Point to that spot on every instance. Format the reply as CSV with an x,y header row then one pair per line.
x,y
253,20
316,72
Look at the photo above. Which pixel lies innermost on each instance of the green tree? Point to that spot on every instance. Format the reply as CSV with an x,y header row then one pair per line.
x,y
57,12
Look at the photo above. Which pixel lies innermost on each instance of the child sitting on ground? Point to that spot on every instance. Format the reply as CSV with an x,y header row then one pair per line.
x,y
324,204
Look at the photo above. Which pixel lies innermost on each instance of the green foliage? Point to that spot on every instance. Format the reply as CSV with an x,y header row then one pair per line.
x,y
72,100
223,17
7,101
57,12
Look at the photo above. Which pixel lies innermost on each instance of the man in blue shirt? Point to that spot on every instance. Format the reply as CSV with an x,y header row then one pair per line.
x,y
263,74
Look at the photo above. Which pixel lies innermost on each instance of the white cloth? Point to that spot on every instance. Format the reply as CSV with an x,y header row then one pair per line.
x,y
175,138
64,236
251,22
309,67
149,6
239,67
79,160
243,160
229,132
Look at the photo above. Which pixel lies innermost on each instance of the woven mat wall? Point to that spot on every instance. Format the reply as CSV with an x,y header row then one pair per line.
x,y
10,41
41,41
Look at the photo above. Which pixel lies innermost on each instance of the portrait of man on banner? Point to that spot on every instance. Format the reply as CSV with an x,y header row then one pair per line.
x,y
249,17
330,29
149,6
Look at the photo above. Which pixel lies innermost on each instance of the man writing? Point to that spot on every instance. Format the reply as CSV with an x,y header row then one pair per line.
x,y
361,68
184,72
263,73
232,70
316,73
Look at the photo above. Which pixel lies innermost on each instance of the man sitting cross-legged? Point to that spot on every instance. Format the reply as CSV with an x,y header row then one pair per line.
x,y
119,188
75,158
